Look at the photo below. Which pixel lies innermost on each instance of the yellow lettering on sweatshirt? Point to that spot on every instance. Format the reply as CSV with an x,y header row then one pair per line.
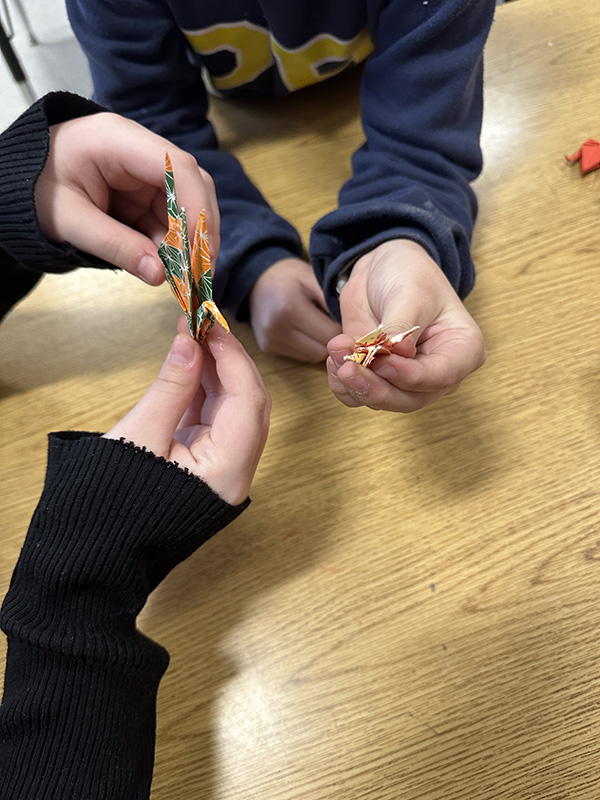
x,y
255,49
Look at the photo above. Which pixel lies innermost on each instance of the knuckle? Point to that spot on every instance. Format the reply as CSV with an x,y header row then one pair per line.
x,y
277,309
261,400
207,179
412,383
186,161
119,254
267,343
268,334
172,385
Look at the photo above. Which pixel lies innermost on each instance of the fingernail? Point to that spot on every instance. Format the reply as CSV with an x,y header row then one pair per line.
x,y
357,384
337,357
149,269
182,350
218,331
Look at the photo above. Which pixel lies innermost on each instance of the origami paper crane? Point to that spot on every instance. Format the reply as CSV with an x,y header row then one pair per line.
x,y
376,343
187,272
588,155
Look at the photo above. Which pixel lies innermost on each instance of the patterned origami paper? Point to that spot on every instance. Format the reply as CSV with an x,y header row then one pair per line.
x,y
376,343
588,156
189,273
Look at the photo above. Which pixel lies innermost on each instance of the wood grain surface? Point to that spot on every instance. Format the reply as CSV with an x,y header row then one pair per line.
x,y
409,608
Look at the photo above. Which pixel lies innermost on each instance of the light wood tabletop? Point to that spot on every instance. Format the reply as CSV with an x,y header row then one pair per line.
x,y
409,608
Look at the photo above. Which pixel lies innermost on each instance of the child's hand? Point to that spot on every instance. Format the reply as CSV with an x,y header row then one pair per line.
x,y
398,285
103,191
206,410
288,312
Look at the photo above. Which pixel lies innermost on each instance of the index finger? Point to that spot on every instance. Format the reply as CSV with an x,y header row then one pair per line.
x,y
354,385
433,370
141,157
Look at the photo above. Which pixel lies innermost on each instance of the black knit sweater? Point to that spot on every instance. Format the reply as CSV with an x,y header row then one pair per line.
x,y
77,719
24,251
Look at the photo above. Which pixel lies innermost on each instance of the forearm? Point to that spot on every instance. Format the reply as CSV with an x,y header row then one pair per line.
x,y
422,111
83,728
78,714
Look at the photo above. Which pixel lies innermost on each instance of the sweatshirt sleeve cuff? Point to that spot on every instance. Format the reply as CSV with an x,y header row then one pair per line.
x,y
339,269
339,239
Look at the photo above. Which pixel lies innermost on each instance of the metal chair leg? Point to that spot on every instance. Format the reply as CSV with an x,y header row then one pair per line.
x,y
15,66
23,14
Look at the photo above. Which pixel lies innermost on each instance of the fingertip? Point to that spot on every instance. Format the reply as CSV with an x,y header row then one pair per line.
x,y
182,325
339,347
219,338
184,350
354,378
344,371
341,343
150,270
349,369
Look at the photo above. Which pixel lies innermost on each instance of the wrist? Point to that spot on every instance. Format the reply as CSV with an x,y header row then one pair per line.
x,y
392,248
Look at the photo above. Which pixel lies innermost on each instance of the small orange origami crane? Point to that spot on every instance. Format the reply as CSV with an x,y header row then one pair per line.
x,y
188,273
588,155
376,343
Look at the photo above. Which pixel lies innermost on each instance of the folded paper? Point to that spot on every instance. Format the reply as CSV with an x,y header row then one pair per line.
x,y
188,272
374,344
588,156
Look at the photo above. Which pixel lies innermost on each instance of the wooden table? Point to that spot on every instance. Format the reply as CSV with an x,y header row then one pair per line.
x,y
409,608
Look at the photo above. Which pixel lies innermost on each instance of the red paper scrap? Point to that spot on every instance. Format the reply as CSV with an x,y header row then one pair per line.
x,y
588,155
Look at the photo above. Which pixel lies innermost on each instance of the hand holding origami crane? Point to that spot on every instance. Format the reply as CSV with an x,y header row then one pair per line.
x,y
189,273
376,343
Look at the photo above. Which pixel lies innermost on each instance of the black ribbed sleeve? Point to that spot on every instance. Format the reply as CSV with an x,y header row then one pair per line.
x,y
77,719
24,251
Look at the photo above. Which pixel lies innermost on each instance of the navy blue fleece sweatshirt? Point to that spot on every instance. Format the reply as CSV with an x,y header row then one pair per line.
x,y
421,103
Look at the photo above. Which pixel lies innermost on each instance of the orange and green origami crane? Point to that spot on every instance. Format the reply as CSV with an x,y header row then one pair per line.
x,y
188,272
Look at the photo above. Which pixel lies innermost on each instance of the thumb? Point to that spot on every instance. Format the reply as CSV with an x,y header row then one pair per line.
x,y
153,421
